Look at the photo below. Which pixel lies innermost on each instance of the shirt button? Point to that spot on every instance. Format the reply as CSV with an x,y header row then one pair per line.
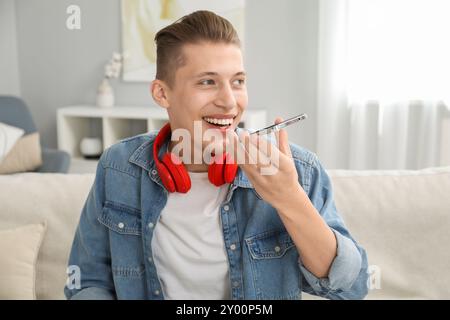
x,y
233,247
151,225
157,292
154,172
121,225
235,284
226,207
277,249
150,259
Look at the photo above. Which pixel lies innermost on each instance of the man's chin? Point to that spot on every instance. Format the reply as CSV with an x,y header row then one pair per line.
x,y
216,145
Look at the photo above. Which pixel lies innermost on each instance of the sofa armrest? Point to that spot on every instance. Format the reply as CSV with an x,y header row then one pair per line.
x,y
53,160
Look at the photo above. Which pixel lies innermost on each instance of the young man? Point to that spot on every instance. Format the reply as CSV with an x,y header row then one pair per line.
x,y
247,236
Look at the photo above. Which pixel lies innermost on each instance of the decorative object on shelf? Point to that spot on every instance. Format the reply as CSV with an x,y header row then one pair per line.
x,y
105,93
91,148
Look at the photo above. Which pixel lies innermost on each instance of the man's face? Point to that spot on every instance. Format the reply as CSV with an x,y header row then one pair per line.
x,y
210,88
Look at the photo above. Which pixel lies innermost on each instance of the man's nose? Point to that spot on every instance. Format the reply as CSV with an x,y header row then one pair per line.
x,y
225,97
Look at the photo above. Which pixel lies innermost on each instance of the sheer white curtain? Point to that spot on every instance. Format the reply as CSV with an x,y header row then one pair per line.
x,y
384,84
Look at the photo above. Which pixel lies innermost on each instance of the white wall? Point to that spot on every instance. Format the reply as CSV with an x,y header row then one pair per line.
x,y
9,72
281,58
59,67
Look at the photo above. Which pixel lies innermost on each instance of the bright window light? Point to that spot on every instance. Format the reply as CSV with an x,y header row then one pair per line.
x,y
398,49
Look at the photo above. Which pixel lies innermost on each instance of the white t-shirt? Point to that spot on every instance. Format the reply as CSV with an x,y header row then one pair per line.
x,y
188,245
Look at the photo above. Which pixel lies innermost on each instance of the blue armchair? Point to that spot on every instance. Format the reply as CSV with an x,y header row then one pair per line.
x,y
14,111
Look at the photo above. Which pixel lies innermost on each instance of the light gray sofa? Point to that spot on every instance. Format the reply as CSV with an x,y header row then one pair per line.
x,y
402,218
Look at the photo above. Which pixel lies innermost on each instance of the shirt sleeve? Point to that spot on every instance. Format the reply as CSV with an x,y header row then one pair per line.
x,y
348,274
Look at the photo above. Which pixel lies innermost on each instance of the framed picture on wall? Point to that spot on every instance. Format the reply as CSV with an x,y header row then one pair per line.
x,y
142,19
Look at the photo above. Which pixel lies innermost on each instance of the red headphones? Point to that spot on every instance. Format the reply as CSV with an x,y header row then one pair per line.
x,y
174,175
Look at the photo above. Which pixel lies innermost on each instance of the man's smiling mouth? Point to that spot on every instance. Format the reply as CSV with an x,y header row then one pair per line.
x,y
220,121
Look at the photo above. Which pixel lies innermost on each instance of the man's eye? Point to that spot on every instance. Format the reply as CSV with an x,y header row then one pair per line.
x,y
239,81
207,82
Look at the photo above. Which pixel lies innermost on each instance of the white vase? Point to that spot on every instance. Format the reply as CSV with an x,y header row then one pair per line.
x,y
105,95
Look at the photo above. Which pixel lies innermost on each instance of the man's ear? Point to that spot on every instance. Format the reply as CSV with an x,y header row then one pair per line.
x,y
159,92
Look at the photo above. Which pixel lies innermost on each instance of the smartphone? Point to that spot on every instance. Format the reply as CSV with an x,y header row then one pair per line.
x,y
281,125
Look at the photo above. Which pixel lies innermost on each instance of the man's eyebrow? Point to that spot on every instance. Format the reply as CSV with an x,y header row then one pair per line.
x,y
211,73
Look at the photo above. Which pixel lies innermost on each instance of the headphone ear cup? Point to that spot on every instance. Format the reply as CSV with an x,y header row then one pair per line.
x,y
215,171
230,169
222,170
178,172
166,177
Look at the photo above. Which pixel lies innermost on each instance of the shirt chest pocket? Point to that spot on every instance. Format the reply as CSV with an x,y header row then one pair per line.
x,y
269,245
125,237
273,260
121,219
126,250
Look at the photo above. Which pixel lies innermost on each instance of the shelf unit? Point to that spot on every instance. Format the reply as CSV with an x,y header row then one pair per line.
x,y
116,123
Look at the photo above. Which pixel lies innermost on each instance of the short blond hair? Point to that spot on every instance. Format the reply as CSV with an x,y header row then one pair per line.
x,y
193,28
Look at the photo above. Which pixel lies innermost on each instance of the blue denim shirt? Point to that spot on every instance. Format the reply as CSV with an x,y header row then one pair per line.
x,y
112,244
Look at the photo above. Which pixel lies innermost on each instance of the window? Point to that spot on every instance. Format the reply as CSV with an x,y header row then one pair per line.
x,y
398,49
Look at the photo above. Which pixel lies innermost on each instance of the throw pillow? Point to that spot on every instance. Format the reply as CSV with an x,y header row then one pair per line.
x,y
19,250
8,138
26,155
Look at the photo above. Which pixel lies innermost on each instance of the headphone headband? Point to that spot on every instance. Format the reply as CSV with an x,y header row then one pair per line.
x,y
159,141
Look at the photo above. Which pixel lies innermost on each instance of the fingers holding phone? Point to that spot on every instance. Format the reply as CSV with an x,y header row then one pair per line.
x,y
282,139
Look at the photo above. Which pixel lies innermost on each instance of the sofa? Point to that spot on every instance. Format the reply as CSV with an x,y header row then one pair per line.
x,y
402,218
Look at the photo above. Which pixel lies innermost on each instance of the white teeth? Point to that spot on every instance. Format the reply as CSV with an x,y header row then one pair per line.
x,y
219,121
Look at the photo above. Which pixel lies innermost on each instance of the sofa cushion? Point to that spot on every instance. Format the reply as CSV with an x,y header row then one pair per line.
x,y
402,219
25,155
8,138
19,248
28,198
